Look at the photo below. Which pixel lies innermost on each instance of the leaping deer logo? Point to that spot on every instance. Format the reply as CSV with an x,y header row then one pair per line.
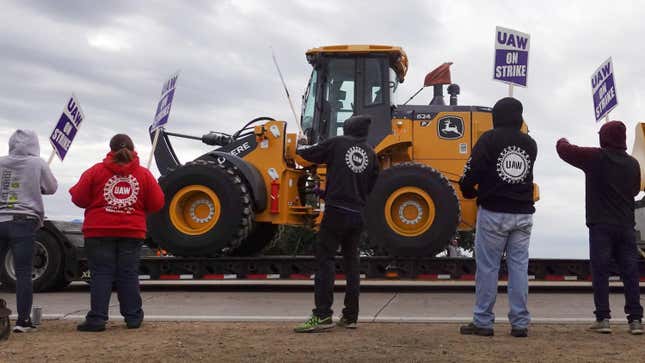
x,y
450,130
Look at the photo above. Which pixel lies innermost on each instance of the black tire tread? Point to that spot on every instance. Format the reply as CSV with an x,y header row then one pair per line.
x,y
420,169
245,224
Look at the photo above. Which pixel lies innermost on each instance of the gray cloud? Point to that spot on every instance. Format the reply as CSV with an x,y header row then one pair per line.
x,y
115,55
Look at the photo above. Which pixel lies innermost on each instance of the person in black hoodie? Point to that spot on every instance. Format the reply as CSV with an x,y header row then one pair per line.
x,y
499,174
612,180
352,169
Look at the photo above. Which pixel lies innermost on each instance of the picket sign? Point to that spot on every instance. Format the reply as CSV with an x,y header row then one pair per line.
x,y
163,112
511,57
66,129
603,90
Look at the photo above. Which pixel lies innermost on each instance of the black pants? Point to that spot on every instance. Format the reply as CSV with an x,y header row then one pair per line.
x,y
338,227
607,242
113,259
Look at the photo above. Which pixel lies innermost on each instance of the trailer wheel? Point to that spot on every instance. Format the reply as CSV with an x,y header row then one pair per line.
x,y
412,211
207,211
259,238
48,265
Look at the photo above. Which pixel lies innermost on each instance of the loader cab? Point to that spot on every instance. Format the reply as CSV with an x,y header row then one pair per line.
x,y
349,80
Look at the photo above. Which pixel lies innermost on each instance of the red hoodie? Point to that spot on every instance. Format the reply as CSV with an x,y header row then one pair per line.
x,y
116,198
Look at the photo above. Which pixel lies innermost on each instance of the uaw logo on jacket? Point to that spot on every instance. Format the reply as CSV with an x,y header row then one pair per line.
x,y
450,127
356,159
120,193
513,165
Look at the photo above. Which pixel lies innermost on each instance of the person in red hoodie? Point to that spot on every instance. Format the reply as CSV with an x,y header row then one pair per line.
x,y
612,180
116,194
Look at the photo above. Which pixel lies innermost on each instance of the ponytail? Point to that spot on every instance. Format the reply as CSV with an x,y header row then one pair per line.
x,y
123,156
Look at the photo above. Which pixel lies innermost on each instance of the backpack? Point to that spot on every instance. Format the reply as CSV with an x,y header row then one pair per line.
x,y
5,324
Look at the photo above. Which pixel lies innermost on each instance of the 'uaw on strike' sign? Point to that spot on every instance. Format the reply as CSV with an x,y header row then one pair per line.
x,y
67,127
604,90
163,108
511,56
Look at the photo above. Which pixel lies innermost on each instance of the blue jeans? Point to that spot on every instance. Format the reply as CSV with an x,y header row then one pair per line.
x,y
113,259
498,233
19,235
607,242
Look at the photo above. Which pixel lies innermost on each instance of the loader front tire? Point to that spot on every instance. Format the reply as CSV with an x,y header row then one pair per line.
x,y
412,211
207,210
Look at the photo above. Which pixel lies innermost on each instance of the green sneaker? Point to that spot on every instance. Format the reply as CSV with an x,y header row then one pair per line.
x,y
601,326
314,324
346,323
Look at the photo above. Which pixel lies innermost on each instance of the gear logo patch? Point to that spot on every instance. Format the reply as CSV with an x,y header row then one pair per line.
x,y
513,165
121,193
356,159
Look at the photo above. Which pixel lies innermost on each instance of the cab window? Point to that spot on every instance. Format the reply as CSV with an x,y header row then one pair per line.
x,y
309,102
373,82
338,91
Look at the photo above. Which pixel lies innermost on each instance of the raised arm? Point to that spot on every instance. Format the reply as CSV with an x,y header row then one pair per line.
x,y
48,183
580,157
317,154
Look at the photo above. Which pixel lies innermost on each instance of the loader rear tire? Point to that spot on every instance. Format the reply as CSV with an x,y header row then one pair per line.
x,y
412,211
257,240
48,265
208,210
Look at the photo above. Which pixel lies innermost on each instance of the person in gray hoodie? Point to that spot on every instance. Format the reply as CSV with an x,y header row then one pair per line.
x,y
24,176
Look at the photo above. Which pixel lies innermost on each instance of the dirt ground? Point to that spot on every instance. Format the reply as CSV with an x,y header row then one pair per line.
x,y
249,342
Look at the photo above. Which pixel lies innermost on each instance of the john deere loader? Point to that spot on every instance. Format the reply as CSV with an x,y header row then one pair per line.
x,y
231,199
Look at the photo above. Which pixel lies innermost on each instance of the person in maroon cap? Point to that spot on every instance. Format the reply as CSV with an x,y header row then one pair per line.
x,y
612,180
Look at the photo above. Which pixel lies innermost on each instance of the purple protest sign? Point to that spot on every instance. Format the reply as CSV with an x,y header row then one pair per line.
x,y
603,88
66,128
511,56
163,107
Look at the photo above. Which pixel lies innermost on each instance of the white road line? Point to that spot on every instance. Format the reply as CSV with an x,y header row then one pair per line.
x,y
362,319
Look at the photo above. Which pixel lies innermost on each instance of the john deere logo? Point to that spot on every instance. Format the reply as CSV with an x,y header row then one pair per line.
x,y
450,127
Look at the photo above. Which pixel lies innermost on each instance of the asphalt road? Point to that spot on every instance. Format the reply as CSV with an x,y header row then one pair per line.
x,y
184,301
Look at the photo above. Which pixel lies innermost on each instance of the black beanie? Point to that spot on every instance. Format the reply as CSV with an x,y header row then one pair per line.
x,y
507,112
357,126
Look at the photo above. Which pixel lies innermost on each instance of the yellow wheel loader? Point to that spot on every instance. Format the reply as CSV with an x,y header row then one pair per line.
x,y
638,152
231,199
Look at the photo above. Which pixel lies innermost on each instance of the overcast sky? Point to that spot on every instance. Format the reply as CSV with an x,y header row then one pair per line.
x,y
115,55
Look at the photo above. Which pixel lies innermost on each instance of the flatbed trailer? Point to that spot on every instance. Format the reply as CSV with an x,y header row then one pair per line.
x,y
60,259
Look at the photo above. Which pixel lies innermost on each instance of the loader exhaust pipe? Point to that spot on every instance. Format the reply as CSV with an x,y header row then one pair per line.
x,y
437,99
439,77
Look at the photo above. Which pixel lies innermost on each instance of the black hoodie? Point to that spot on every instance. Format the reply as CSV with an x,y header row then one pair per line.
x,y
352,166
501,163
612,177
